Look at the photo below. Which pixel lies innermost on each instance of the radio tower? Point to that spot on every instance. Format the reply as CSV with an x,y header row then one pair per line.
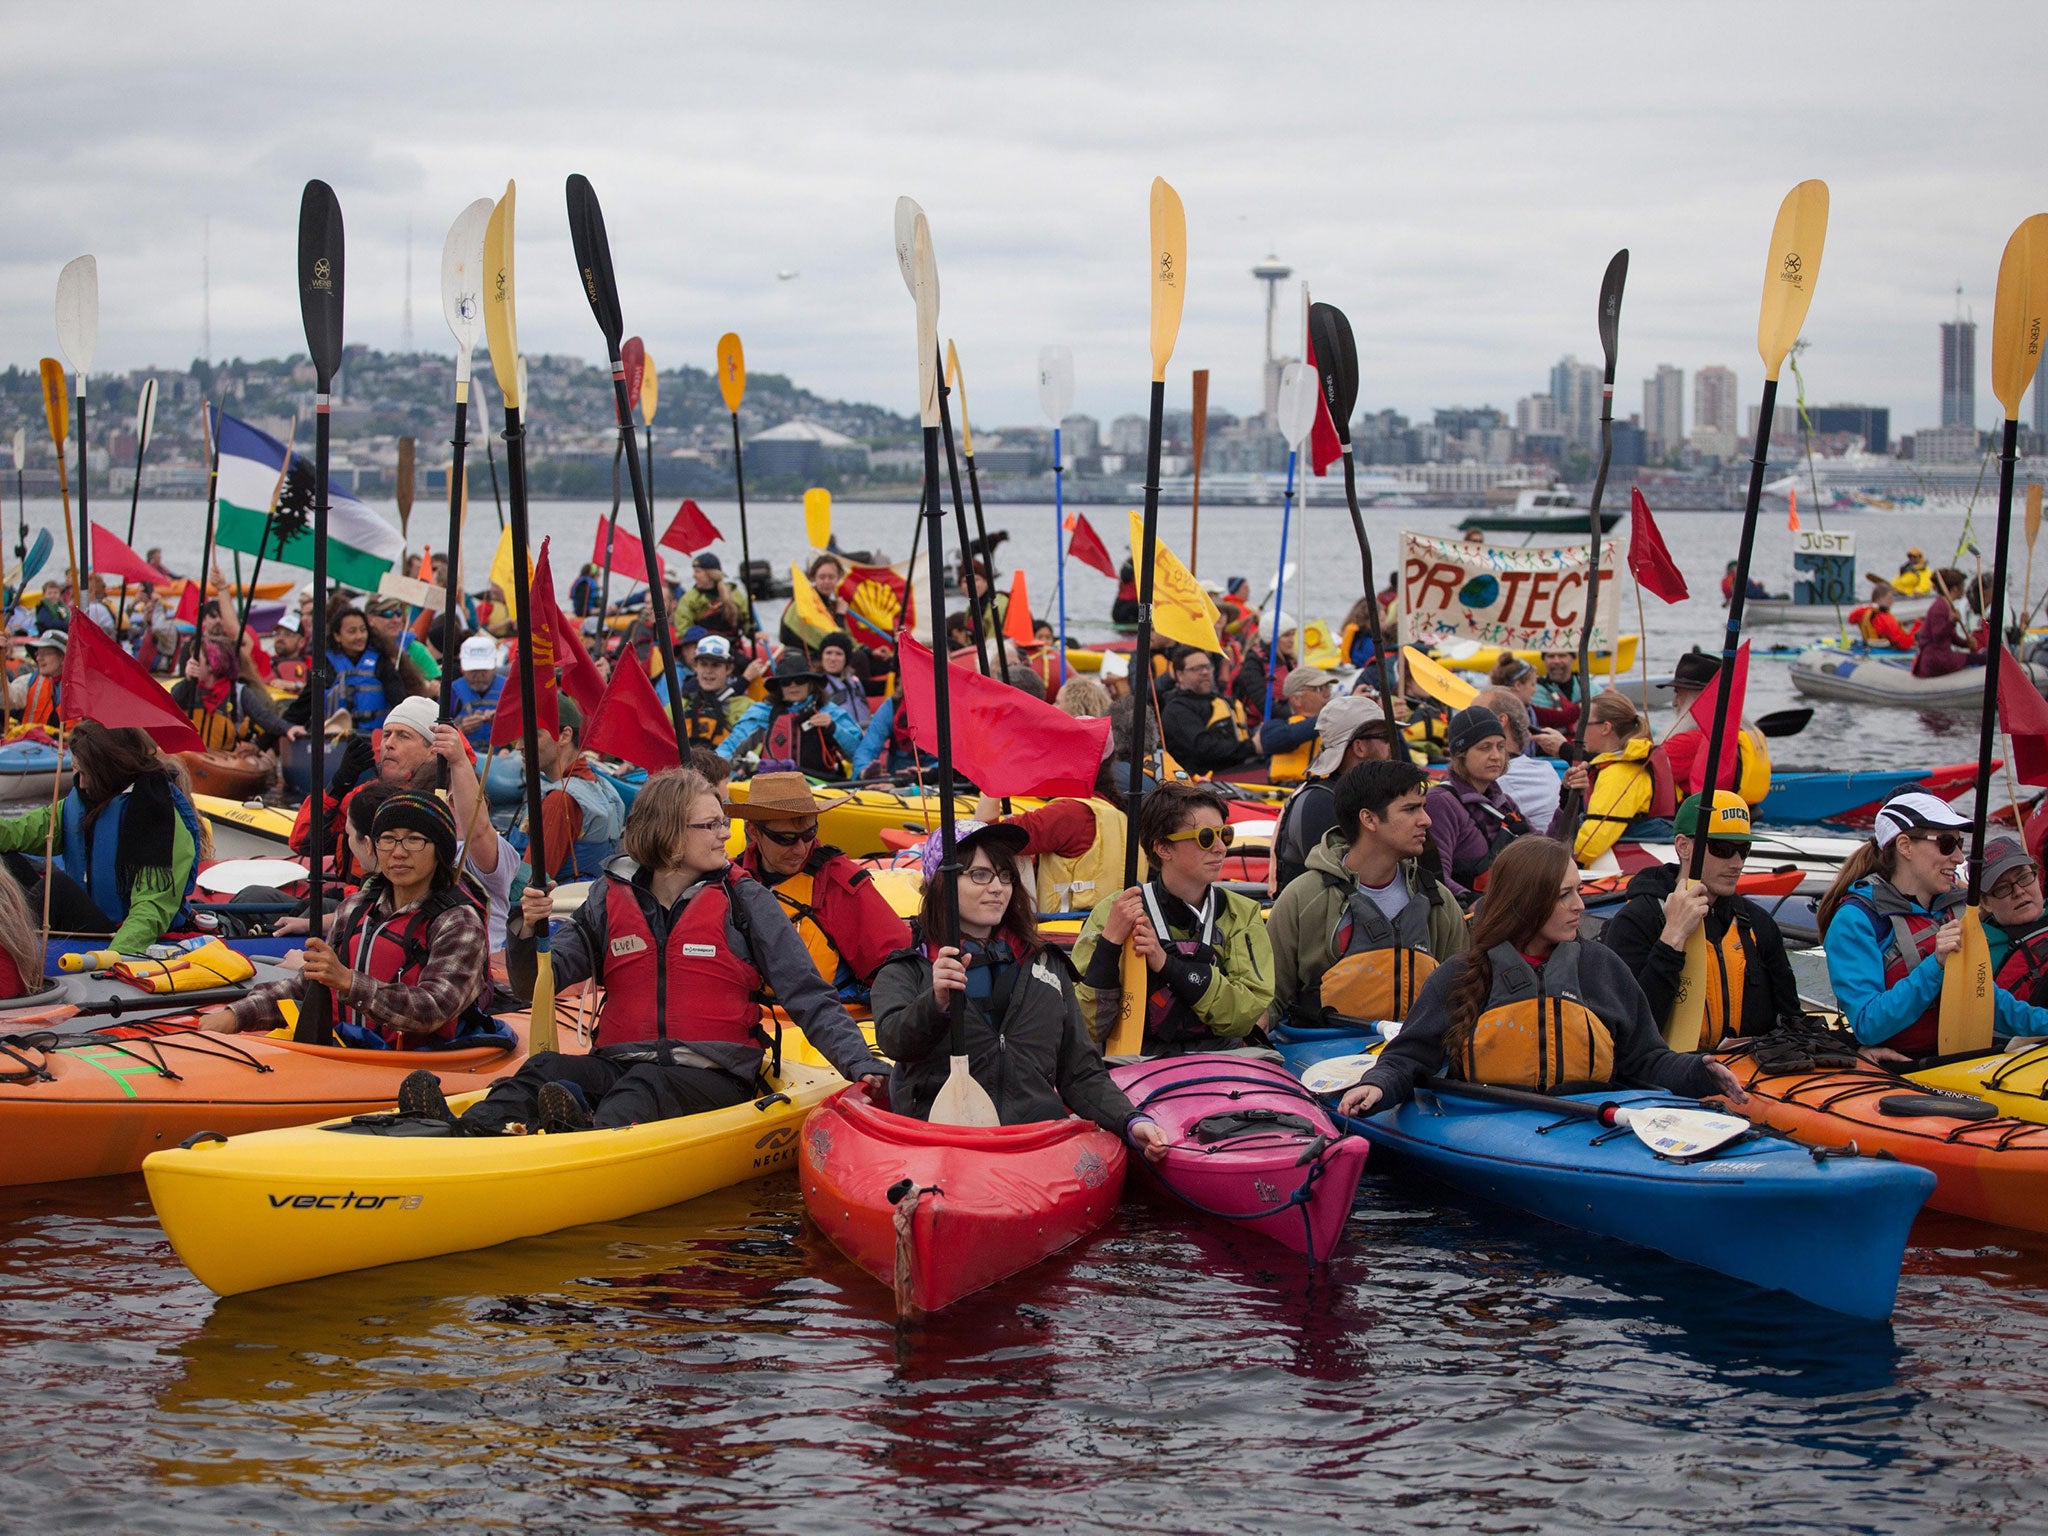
x,y
1272,272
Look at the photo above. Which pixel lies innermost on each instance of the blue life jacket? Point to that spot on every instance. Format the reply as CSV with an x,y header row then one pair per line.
x,y
93,865
466,700
357,688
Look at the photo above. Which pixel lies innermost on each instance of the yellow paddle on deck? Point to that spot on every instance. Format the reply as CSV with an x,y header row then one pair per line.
x,y
1439,682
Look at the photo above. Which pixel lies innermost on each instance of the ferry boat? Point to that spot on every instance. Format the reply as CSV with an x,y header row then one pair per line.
x,y
1539,510
1877,482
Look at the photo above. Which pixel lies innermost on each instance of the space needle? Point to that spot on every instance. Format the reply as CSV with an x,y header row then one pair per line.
x,y
1272,272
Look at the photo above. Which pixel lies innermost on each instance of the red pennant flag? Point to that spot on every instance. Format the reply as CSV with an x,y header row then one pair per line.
x,y
110,557
507,726
188,601
580,678
689,532
1086,546
2023,714
1702,712
105,684
1324,446
629,555
1648,560
1006,741
630,721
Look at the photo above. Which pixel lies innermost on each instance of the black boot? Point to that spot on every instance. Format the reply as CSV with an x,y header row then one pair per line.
x,y
420,1095
562,1109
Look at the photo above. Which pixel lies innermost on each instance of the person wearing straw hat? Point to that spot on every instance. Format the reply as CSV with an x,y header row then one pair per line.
x,y
33,697
847,925
794,727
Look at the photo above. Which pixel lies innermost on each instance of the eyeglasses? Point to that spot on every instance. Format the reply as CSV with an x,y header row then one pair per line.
x,y
1947,843
981,874
1727,848
718,824
790,839
1204,838
402,842
2014,883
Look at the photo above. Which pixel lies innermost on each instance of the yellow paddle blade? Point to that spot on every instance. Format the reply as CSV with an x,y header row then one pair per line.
x,y
1968,995
732,370
1169,273
1791,270
1440,683
650,390
963,1101
540,1035
1682,1030
924,288
958,384
56,404
1128,1038
2020,313
501,321
818,516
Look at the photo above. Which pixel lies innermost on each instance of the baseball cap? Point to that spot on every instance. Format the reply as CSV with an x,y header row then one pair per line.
x,y
1728,821
694,634
1916,811
1308,677
2003,855
479,654
716,647
1340,722
707,561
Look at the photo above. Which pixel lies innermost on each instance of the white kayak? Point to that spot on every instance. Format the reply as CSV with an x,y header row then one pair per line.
x,y
1777,850
1828,672
26,771
1783,610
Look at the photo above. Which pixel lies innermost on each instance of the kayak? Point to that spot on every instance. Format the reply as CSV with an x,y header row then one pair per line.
x,y
1993,1170
81,1106
264,821
2015,1081
1802,798
1785,610
972,1205
1824,673
265,1209
1762,1209
1950,782
1250,1146
26,772
1483,658
1768,852
227,775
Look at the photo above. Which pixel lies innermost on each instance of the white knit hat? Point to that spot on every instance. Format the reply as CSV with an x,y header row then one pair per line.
x,y
416,714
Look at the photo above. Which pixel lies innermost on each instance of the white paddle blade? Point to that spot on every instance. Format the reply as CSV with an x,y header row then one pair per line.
x,y
1056,382
1681,1133
20,449
907,215
1337,1073
145,415
78,314
963,1101
1299,392
462,280
924,287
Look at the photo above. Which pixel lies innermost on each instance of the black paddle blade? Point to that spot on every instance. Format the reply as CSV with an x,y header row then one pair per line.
x,y
1610,306
594,260
320,250
1785,722
1336,363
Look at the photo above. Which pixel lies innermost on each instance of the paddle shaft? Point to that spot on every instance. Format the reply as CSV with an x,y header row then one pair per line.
x,y
739,490
134,497
657,593
316,1009
84,503
1198,430
1716,737
1395,746
981,533
960,525
1280,582
1059,542
611,544
1987,725
452,593
539,869
206,554
1575,800
942,711
1141,653
162,1002
1523,1098
491,458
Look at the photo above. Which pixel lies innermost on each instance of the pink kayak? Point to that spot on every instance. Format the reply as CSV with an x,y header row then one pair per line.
x,y
1249,1145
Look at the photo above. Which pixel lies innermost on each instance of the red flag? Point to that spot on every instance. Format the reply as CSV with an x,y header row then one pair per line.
x,y
1086,546
629,555
2023,714
580,678
1006,741
1702,712
507,727
631,722
690,531
110,557
1648,560
105,684
1324,446
188,601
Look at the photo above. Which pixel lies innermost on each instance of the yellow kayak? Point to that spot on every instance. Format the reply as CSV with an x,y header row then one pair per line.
x,y
264,820
273,1207
1605,663
2015,1081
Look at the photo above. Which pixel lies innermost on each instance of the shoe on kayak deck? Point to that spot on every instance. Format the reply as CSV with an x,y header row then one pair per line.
x,y
562,1109
420,1096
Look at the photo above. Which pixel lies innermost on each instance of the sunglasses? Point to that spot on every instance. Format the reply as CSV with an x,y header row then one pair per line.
x,y
1204,838
790,839
1727,848
1947,843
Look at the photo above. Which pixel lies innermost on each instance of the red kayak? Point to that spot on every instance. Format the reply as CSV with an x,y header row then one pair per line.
x,y
938,1212
1250,1145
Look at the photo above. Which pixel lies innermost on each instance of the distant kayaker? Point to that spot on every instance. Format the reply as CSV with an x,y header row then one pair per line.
x,y
1686,744
1560,685
1754,588
1289,741
1208,958
1026,1044
1750,964
1123,608
1530,1005
477,688
2014,919
684,943
1350,731
1204,731
1944,644
1914,578
1626,777
1529,779
1875,621
1471,818
847,925
1360,931
794,728
1521,679
1892,916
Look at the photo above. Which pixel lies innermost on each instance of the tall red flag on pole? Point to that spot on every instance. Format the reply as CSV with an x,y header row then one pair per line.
x,y
1006,741
690,530
1086,546
630,721
1648,560
103,683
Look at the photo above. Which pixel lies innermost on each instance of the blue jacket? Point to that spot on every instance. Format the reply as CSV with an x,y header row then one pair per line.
x,y
1855,948
748,730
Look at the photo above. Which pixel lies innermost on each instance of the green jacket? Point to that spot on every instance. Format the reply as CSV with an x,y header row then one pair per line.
x,y
1233,997
153,902
1303,925
691,607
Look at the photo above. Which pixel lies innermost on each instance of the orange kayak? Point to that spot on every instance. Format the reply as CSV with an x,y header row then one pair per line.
x,y
227,775
1993,1170
81,1106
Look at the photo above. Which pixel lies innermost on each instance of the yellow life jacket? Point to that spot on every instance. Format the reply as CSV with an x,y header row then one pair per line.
x,y
1077,884
1534,1032
1380,965
1292,767
1752,767
1914,583
1727,973
795,892
216,728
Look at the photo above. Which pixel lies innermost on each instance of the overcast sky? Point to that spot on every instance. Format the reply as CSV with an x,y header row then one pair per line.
x,y
1454,176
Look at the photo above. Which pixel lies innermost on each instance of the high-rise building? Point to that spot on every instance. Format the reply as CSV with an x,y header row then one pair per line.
x,y
1575,386
1536,413
1713,399
1959,369
1872,423
1664,409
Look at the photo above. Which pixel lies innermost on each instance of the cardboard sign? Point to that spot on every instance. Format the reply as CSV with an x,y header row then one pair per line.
x,y
1525,598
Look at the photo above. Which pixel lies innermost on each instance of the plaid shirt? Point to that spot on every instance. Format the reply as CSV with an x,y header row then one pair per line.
x,y
453,978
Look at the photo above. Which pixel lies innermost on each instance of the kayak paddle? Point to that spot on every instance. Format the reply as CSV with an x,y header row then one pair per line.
x,y
462,306
2033,533
1791,268
78,337
1295,407
1437,680
1669,1130
1780,723
145,424
732,387
57,416
1968,995
961,1100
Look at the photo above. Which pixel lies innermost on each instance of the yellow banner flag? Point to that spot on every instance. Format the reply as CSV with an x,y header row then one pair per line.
x,y
501,573
1181,610
818,516
812,619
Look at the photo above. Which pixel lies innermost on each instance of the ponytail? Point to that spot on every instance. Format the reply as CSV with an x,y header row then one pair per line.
x,y
1868,859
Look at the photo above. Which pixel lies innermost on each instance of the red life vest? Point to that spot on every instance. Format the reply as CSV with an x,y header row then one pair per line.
x,y
690,986
2025,971
814,752
396,950
1914,930
1663,786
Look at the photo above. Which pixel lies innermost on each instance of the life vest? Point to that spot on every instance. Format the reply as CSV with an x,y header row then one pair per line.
x,y
1498,824
1727,976
92,852
1535,1031
1380,965
1077,884
1291,767
1126,584
685,985
289,669
357,688
1910,940
704,716
1663,801
2024,971
465,700
814,752
604,818
396,950
40,706
1171,1026
216,727
1752,766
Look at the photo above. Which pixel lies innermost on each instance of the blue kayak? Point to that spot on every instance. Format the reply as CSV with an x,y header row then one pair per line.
x,y
1800,799
1762,1209
1302,1046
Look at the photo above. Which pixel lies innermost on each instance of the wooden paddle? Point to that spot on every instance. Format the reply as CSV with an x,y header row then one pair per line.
x,y
650,397
2033,533
956,383
145,424
78,337
501,333
1791,267
57,414
1611,284
321,249
961,1100
1968,993
732,386
1169,224
462,306
1198,432
1055,399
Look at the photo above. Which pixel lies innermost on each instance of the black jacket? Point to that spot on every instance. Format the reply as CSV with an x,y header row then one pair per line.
x,y
1197,745
1770,992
